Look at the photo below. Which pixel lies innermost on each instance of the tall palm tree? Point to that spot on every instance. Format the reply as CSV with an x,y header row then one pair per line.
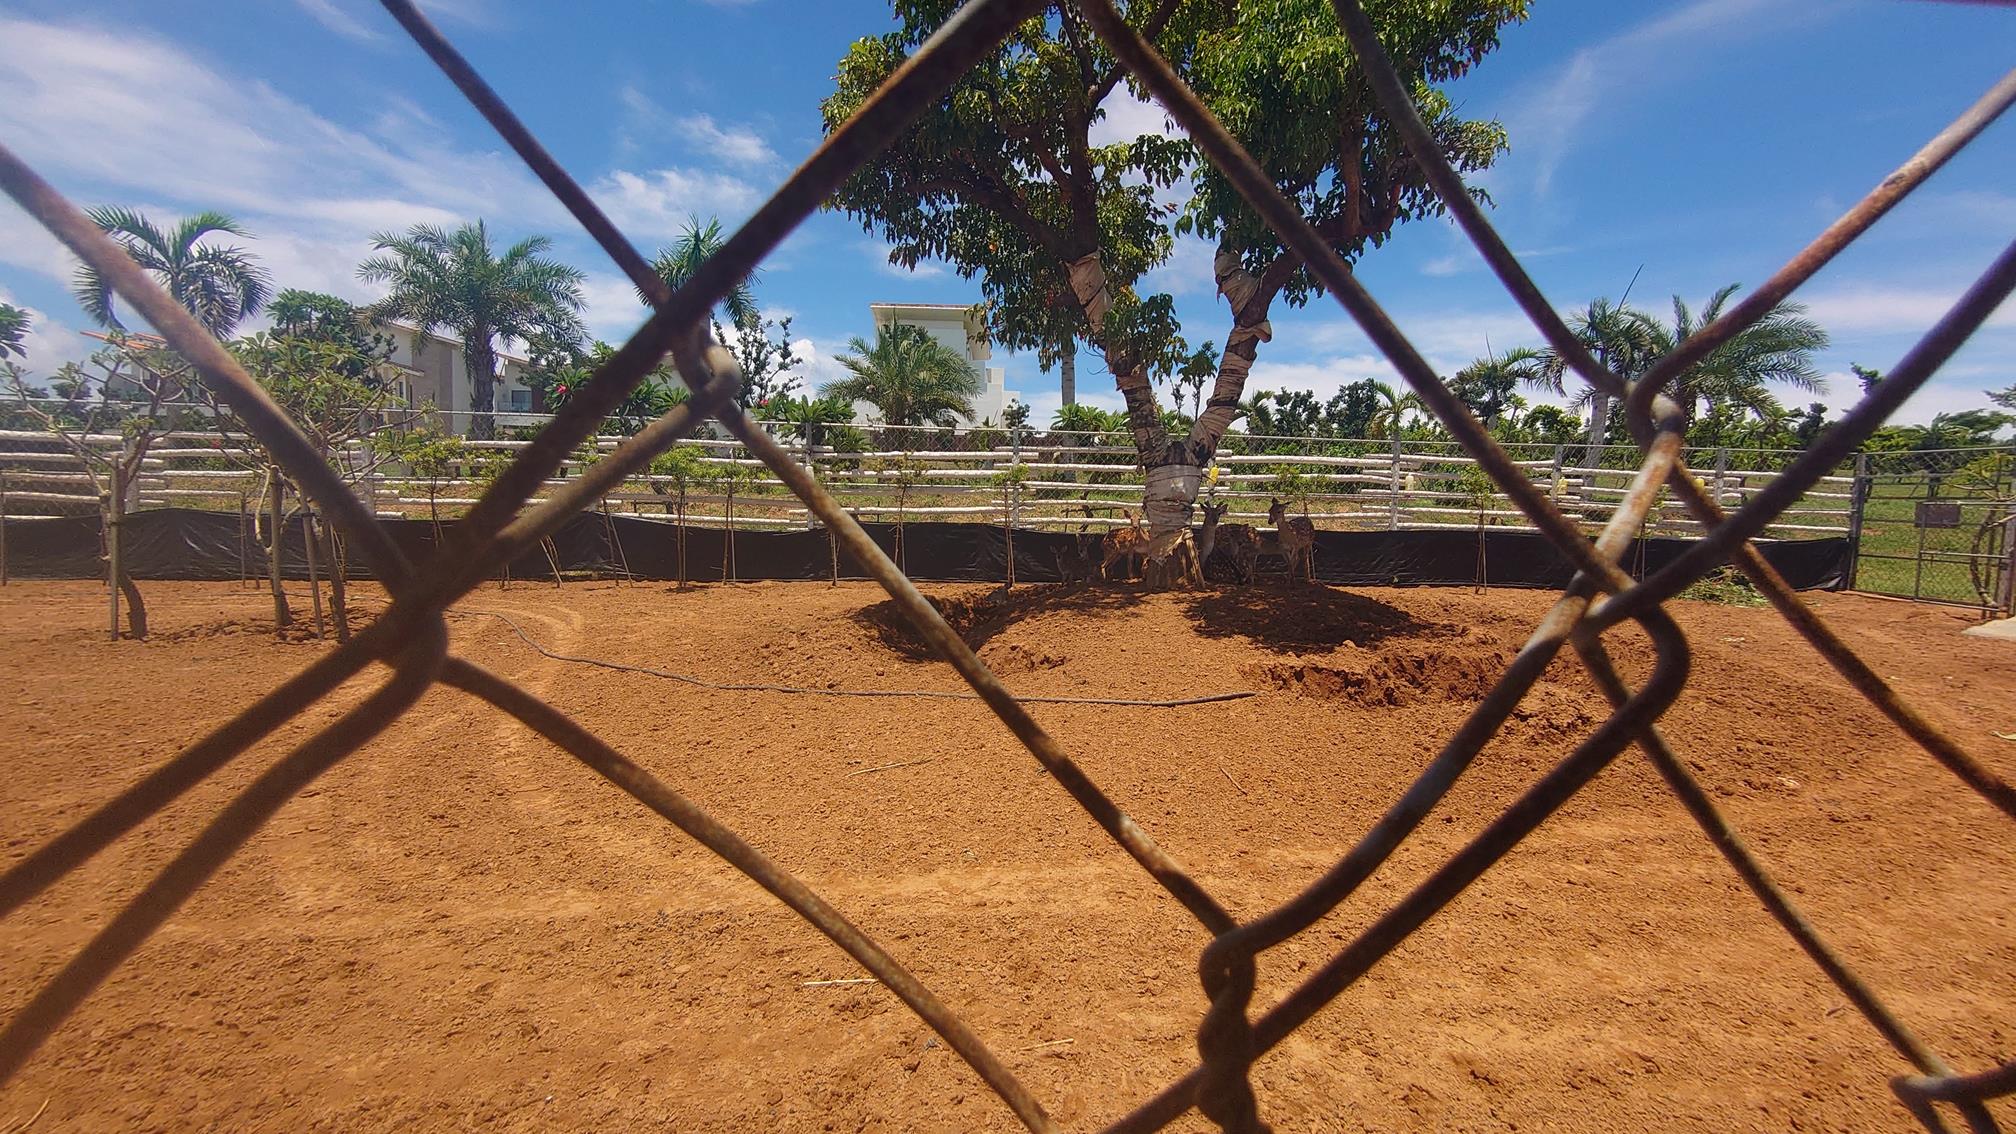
x,y
678,263
454,280
219,284
1623,339
1777,348
909,377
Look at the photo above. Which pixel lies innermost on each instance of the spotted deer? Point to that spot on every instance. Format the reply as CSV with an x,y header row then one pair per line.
x,y
1242,547
1294,540
1123,544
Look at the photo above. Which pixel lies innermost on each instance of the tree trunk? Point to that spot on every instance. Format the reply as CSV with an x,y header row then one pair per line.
x,y
314,583
1173,470
1067,375
117,580
339,599
276,546
482,359
1250,298
1599,427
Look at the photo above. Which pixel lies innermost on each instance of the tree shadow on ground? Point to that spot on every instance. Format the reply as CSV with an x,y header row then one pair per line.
x,y
1303,619
978,619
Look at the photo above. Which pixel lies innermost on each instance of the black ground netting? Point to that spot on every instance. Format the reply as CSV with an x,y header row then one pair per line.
x,y
174,543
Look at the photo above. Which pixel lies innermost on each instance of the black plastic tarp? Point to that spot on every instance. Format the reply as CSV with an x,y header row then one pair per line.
x,y
175,543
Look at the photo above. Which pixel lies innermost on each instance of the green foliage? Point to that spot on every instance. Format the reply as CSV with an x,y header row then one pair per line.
x,y
999,178
1283,79
1290,482
458,282
14,327
1081,418
1489,386
762,346
682,467
328,386
1724,585
909,377
221,285
1016,416
427,450
557,369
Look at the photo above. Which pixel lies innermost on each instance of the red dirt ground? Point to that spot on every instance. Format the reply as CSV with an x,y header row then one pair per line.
x,y
461,928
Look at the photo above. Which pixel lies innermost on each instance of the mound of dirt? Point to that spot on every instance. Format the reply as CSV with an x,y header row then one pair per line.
x,y
1389,678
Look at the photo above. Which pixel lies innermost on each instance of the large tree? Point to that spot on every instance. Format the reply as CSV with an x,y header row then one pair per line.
x,y
1001,179
456,281
909,377
1283,79
220,284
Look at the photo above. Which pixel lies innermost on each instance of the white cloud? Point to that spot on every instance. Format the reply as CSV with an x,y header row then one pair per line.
x,y
1127,118
739,145
611,308
339,19
113,115
1187,271
49,343
658,204
644,119
818,364
1878,310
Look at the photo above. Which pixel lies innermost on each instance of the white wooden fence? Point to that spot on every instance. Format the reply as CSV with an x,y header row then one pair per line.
x,y
1036,480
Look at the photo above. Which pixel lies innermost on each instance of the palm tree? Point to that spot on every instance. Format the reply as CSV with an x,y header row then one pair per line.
x,y
677,264
1623,339
1489,385
1777,348
455,281
1390,419
219,284
909,377
14,326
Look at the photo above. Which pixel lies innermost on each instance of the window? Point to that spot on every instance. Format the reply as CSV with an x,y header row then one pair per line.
x,y
520,401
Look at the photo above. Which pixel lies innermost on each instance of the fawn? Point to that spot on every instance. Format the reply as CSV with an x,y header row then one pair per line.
x,y
1122,543
1294,540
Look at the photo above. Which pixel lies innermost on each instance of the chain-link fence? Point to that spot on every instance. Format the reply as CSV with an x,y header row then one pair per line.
x,y
412,639
1937,525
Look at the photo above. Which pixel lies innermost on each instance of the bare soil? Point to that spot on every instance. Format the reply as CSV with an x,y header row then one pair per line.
x,y
459,927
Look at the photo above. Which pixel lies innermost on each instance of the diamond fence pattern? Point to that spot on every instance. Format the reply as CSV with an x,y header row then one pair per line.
x,y
412,641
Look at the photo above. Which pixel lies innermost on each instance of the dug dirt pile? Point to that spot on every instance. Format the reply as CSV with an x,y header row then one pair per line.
x,y
459,927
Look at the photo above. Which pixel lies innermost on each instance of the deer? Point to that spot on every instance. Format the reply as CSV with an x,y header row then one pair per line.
x,y
1240,541
1122,543
1294,540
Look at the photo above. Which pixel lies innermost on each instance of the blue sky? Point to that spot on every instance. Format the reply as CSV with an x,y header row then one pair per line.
x,y
1703,141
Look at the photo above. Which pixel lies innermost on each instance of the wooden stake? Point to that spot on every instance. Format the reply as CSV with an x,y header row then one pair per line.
x,y
314,582
276,538
110,503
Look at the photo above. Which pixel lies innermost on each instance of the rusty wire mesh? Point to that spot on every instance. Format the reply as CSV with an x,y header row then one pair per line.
x,y
412,641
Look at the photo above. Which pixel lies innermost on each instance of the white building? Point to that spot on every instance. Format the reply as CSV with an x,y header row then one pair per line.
x,y
432,370
960,327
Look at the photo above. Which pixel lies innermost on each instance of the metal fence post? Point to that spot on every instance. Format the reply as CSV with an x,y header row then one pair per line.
x,y
1858,502
1393,512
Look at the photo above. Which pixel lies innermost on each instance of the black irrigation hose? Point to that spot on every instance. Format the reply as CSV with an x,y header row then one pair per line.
x,y
746,687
